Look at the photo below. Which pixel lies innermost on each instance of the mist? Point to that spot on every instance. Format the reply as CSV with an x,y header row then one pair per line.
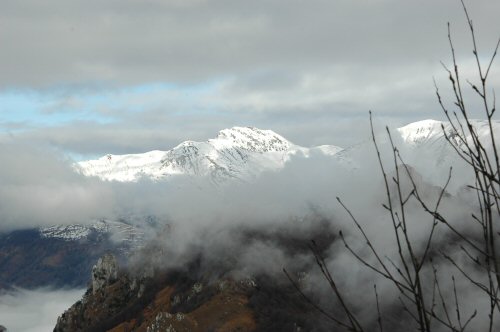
x,y
35,310
40,188
258,227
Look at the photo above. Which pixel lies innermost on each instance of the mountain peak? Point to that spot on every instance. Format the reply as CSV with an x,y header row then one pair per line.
x,y
251,139
431,130
420,131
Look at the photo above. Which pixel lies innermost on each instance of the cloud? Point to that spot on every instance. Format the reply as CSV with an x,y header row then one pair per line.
x,y
39,187
130,42
313,110
171,71
260,227
35,310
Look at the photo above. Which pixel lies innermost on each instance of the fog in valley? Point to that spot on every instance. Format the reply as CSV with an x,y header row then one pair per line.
x,y
35,310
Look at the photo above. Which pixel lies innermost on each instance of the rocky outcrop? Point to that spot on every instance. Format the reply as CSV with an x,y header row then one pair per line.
x,y
105,272
202,294
156,301
106,297
188,301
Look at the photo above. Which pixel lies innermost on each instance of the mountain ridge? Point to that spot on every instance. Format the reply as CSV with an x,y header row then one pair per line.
x,y
236,153
243,153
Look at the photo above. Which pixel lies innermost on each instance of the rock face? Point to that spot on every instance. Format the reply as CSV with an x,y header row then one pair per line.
x,y
105,272
204,293
187,299
156,301
108,294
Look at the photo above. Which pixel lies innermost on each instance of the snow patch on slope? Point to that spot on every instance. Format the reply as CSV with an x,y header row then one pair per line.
x,y
429,131
72,232
421,131
128,167
127,235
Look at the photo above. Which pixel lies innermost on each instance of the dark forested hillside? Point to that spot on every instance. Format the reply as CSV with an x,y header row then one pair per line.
x,y
29,260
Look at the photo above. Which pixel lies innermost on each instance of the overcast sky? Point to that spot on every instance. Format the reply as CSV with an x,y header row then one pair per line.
x,y
91,77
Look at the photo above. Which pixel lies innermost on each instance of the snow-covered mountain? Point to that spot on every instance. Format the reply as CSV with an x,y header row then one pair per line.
x,y
63,255
125,235
427,137
245,152
425,147
428,132
236,153
422,131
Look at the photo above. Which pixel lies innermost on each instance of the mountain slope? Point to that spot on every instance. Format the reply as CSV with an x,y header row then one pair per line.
x,y
429,132
208,292
30,260
425,147
62,256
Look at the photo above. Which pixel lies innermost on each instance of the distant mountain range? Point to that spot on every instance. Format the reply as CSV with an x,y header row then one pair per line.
x,y
62,256
238,153
243,153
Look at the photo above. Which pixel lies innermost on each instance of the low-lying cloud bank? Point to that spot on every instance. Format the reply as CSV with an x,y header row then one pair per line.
x,y
35,310
246,224
40,188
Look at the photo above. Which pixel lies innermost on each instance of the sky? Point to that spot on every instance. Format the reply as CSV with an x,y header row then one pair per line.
x,y
95,77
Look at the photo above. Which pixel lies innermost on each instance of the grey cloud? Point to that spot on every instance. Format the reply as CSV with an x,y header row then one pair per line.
x,y
309,110
128,42
201,222
40,188
161,130
70,104
293,67
90,139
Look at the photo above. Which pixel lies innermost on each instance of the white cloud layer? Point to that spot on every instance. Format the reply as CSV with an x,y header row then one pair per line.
x,y
35,310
